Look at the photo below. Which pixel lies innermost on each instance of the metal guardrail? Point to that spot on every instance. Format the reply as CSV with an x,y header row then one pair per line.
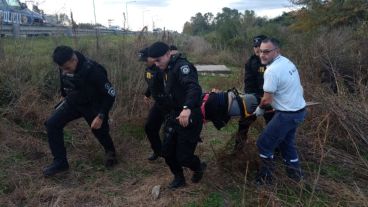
x,y
17,30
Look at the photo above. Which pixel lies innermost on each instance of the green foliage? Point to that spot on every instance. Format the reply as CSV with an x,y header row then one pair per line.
x,y
228,29
330,14
199,24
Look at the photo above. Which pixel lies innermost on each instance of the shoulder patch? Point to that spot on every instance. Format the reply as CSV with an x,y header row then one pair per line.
x,y
148,75
185,69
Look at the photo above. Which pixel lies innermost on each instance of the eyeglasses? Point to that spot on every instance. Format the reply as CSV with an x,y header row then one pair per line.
x,y
267,51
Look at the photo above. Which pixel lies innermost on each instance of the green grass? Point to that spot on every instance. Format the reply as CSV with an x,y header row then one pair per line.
x,y
213,200
4,186
229,81
68,137
331,171
133,129
335,172
294,196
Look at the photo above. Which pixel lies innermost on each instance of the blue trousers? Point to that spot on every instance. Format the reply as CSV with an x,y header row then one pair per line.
x,y
280,132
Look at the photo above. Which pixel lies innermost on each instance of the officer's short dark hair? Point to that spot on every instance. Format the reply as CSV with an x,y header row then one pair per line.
x,y
158,49
62,54
173,47
257,40
274,41
143,54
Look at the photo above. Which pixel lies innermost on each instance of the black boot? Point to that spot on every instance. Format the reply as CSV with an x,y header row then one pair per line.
x,y
153,157
56,167
197,175
294,171
110,159
179,181
264,175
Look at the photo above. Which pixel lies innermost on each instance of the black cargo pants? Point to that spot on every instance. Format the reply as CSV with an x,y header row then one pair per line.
x,y
155,119
66,113
179,143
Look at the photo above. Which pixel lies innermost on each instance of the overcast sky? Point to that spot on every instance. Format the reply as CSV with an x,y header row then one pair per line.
x,y
171,14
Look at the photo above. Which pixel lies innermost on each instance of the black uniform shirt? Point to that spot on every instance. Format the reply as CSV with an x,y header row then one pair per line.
x,y
154,79
88,86
181,83
253,77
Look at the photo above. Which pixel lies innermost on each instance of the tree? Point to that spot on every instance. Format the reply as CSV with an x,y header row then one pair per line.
x,y
199,24
330,13
227,25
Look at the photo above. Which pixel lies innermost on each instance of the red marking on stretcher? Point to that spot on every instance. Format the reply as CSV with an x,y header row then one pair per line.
x,y
204,100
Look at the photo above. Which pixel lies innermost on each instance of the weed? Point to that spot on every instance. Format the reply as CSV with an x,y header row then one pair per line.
x,y
214,199
68,137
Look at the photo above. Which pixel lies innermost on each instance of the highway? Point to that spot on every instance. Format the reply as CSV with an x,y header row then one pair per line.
x,y
17,30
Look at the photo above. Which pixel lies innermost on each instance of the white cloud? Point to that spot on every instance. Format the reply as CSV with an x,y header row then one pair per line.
x,y
171,14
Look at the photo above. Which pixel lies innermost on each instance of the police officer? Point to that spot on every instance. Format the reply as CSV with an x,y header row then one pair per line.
x,y
184,122
254,70
86,93
156,115
253,84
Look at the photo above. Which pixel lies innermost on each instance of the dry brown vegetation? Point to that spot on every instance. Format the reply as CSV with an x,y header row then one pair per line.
x,y
332,142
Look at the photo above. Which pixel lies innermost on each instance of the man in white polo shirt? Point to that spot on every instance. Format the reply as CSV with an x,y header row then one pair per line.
x,y
282,90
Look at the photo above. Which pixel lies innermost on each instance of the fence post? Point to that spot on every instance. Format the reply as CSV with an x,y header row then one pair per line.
x,y
16,30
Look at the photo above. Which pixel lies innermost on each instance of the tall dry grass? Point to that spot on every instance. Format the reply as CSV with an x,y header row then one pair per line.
x,y
333,140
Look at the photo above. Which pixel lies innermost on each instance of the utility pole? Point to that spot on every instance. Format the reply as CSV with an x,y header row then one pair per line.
x,y
147,10
126,10
94,12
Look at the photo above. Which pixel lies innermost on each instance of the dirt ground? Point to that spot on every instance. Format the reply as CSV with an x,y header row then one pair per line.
x,y
87,183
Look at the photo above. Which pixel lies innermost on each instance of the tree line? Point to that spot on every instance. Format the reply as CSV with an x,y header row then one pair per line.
x,y
231,28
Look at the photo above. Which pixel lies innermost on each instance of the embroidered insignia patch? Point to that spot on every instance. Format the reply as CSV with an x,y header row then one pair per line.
x,y
185,69
148,75
112,92
107,86
110,89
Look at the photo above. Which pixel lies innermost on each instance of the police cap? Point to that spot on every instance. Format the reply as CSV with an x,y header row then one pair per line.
x,y
62,54
158,49
173,47
258,40
143,54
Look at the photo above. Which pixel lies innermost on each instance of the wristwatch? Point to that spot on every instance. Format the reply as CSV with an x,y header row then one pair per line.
x,y
101,116
185,107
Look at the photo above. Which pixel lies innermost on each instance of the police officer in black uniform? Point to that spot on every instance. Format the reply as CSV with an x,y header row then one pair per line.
x,y
184,122
86,93
156,115
253,84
